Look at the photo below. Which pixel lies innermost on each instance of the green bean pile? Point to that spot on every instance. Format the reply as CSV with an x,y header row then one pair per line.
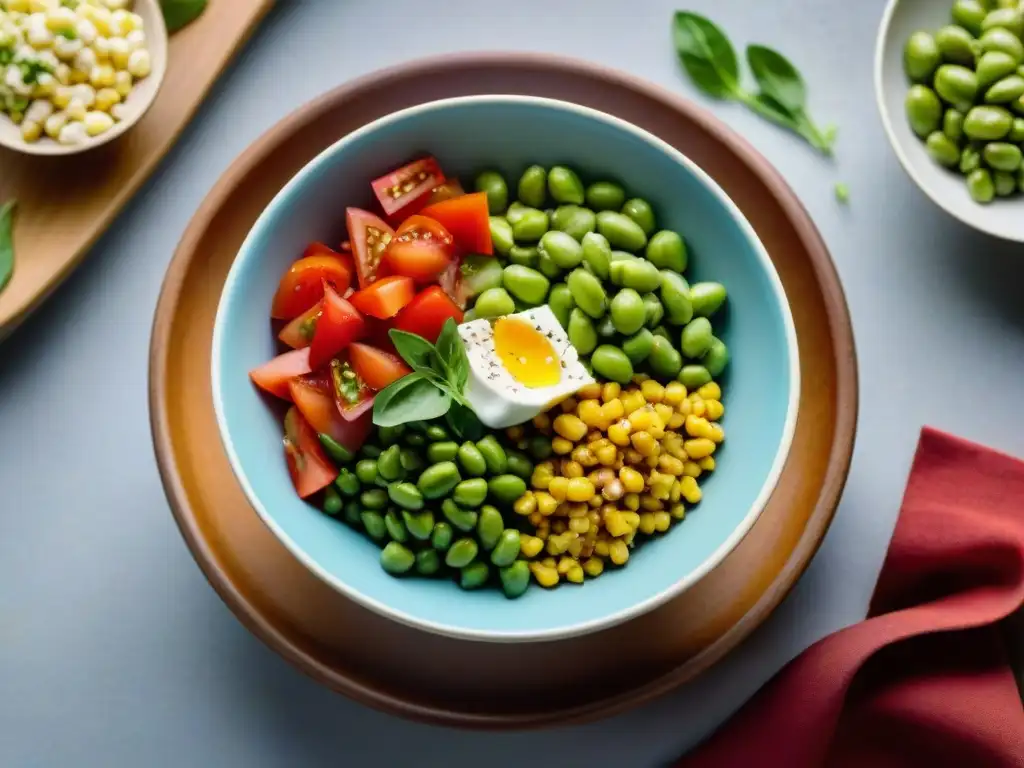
x,y
613,281
967,100
422,498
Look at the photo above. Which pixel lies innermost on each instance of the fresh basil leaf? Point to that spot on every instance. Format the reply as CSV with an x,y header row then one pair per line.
x,y
411,398
6,243
768,107
181,13
415,350
464,422
453,355
706,54
777,77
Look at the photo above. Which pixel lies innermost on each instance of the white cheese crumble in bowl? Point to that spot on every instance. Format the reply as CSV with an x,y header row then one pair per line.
x,y
75,74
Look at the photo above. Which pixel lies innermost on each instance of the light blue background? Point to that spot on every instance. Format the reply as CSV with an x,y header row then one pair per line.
x,y
114,651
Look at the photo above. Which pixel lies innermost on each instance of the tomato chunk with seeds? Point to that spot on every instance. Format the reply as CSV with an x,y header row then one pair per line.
x,y
308,465
298,333
451,188
426,314
303,284
338,326
376,367
467,219
274,376
421,249
400,192
384,298
369,236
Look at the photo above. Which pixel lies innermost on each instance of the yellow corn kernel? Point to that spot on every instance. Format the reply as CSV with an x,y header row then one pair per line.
x,y
664,412
579,525
576,509
544,575
568,405
561,446
715,433
685,407
673,446
31,131
694,425
570,427
662,521
589,392
558,487
54,123
640,378
76,110
675,421
575,574
632,519
710,391
618,432
542,475
652,391
610,391
102,76
576,547
515,433
106,98
707,463
530,546
572,469
641,419
602,547
525,505
692,469
675,393
632,480
607,454
564,564
646,526
612,411
633,400
660,486
594,567
670,465
140,63
542,422
19,6
618,552
591,413
699,447
584,456
549,562
543,530
675,493
649,503
596,501
632,457
546,503
536,519
690,490
714,409
593,436
697,407
580,489
123,82
613,490
677,511
644,443
616,524
631,501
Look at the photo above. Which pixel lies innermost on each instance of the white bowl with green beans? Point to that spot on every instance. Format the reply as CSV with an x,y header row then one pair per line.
x,y
949,81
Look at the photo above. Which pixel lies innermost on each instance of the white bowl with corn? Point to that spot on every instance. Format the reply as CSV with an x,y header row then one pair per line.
x,y
76,74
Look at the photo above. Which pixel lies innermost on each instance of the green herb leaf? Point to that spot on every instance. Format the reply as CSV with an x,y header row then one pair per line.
x,y
777,78
464,422
452,354
181,13
411,398
706,54
415,350
6,243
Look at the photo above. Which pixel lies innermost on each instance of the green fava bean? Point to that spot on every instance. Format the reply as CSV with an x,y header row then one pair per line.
x,y
411,460
921,56
654,312
446,451
480,273
957,85
437,480
716,358
493,453
463,519
441,536
1005,18
515,579
1005,183
581,332
574,221
621,256
419,524
461,553
501,234
525,256
605,196
1000,39
470,493
530,225
562,248
515,212
474,575
627,312
953,124
638,346
332,501
389,465
505,489
666,250
1017,130
506,549
395,526
587,292
664,360
980,186
533,184
612,363
561,303
547,267
347,483
694,376
526,284
389,435
1002,156
565,186
406,495
621,231
489,526
366,471
396,559
436,433
374,524
539,447
337,452
375,498
494,302
942,150
640,211
987,123
472,461
493,185
969,160
1004,91
675,296
606,329
697,337
352,513
956,45
638,274
924,110
707,298
969,14
428,562
597,254
519,465
992,66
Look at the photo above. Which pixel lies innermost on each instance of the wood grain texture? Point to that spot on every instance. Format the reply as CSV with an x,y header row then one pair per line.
x,y
66,203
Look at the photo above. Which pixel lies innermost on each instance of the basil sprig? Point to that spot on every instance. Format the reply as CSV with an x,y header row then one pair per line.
x,y
181,13
6,243
710,60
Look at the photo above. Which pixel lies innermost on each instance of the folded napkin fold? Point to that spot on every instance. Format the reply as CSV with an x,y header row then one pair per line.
x,y
925,679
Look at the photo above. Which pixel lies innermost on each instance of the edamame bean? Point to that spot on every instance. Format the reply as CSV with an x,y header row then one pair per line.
x,y
501,234
980,186
472,461
1002,156
337,452
494,302
612,363
664,359
441,536
530,225
366,471
638,274
675,295
445,451
332,501
515,212
416,439
539,447
942,150
581,332
547,267
707,298
628,312
493,453
953,124
1003,91
565,186
638,346
396,559
969,160
640,211
662,331
461,553
374,498
621,256
533,184
697,337
956,84
374,524
605,196
489,526
525,255
470,493
347,483
1005,183
411,460
463,519
406,495
694,376
596,254
389,465
395,526
515,579
621,231
574,221
606,329
506,549
389,435
666,250
999,39
1017,130
493,185
505,489
519,465
987,123
956,45
992,66
1007,18
654,311
428,562
437,480
716,358
561,303
562,248
587,292
351,512
436,433
969,14
526,284
419,524
474,575
921,56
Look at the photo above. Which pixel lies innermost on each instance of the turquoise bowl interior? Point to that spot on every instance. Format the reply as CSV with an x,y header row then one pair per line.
x,y
509,133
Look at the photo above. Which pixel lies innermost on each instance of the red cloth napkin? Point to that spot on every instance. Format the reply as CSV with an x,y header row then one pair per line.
x,y
924,680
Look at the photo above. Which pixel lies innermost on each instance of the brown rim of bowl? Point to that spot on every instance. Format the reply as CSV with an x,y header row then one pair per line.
x,y
840,454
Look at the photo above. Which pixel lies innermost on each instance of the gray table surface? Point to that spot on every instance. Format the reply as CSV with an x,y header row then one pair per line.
x,y
114,651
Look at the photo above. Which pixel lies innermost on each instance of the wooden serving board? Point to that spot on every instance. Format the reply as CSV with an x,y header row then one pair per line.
x,y
66,203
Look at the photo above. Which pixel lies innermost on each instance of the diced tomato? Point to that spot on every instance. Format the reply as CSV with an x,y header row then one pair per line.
x,y
299,332
451,188
351,395
369,236
339,325
466,217
421,249
303,284
427,313
273,377
375,367
309,467
385,297
451,283
377,333
320,409
400,191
